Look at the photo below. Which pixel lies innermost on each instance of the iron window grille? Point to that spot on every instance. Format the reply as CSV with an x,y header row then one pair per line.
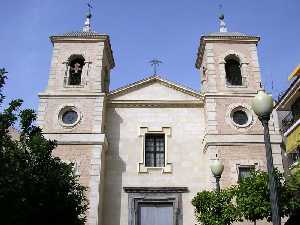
x,y
155,150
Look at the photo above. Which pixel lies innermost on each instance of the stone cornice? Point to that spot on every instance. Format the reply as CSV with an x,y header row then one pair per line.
x,y
87,39
78,138
155,189
63,94
238,139
150,80
230,95
156,103
226,39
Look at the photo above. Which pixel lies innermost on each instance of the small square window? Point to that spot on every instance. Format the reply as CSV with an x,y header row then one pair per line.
x,y
154,150
244,171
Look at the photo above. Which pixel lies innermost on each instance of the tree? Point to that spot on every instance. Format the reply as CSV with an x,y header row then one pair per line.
x,y
35,187
216,208
253,196
293,196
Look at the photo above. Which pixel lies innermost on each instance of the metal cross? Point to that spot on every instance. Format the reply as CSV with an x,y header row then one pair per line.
x,y
155,63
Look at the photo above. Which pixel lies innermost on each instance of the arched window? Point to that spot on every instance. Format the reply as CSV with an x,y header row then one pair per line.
x,y
76,63
233,70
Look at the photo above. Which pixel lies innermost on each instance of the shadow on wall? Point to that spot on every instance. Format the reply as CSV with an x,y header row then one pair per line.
x,y
115,166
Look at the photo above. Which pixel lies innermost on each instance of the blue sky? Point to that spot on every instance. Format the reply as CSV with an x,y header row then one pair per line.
x,y
141,30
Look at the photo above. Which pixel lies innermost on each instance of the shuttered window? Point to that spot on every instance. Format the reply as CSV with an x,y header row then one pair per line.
x,y
154,150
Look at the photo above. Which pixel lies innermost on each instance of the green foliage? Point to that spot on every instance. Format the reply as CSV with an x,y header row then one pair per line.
x,y
35,187
252,196
216,208
293,197
250,200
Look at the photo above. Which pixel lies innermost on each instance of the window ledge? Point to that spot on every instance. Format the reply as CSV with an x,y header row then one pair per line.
x,y
144,169
236,86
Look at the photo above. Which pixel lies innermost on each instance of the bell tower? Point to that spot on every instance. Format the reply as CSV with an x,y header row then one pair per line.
x,y
230,77
72,107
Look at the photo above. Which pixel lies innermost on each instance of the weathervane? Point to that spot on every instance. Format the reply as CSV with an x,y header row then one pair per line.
x,y
87,24
223,27
89,4
155,63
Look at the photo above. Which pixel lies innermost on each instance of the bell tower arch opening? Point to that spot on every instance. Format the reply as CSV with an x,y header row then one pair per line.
x,y
233,70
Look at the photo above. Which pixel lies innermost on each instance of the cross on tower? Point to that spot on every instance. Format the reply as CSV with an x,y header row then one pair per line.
x,y
155,63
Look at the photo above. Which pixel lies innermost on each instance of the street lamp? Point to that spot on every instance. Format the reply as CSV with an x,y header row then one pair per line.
x,y
262,105
217,169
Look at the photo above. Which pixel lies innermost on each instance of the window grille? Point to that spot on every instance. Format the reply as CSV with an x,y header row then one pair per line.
x,y
154,150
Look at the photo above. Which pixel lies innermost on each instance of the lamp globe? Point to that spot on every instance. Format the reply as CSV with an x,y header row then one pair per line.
x,y
217,168
262,104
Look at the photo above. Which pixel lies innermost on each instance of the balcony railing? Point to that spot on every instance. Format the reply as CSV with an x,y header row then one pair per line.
x,y
288,121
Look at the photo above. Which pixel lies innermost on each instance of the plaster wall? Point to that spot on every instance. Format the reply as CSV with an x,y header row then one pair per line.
x,y
184,148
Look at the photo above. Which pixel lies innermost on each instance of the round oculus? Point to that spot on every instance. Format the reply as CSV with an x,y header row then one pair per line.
x,y
240,117
69,117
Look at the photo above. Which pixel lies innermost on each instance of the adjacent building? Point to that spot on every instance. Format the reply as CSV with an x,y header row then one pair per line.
x,y
288,108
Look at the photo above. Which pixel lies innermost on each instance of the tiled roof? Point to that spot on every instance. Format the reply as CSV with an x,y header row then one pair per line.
x,y
79,34
228,34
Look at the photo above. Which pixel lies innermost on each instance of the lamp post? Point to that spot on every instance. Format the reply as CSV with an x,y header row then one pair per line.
x,y
217,169
262,105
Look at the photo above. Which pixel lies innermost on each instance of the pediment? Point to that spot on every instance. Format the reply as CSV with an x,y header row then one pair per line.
x,y
155,89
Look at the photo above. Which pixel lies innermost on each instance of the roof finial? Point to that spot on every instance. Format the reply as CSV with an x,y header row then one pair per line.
x,y
87,24
223,27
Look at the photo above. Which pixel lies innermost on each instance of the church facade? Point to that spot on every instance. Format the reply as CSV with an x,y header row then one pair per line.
x,y
144,150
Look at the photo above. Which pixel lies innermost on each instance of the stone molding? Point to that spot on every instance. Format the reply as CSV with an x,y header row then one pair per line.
x,y
237,139
242,94
78,138
156,103
247,109
150,80
244,62
70,93
64,108
141,167
155,189
225,39
155,195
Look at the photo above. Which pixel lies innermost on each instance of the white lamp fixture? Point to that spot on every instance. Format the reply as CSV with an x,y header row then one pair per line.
x,y
262,104
217,168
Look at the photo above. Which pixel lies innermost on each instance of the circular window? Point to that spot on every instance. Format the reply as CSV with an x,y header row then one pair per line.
x,y
69,117
240,117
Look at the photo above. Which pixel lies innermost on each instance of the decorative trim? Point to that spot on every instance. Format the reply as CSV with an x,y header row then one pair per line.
x,y
141,168
58,94
156,103
227,39
243,107
63,109
78,138
242,164
237,139
155,189
150,80
244,62
155,195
